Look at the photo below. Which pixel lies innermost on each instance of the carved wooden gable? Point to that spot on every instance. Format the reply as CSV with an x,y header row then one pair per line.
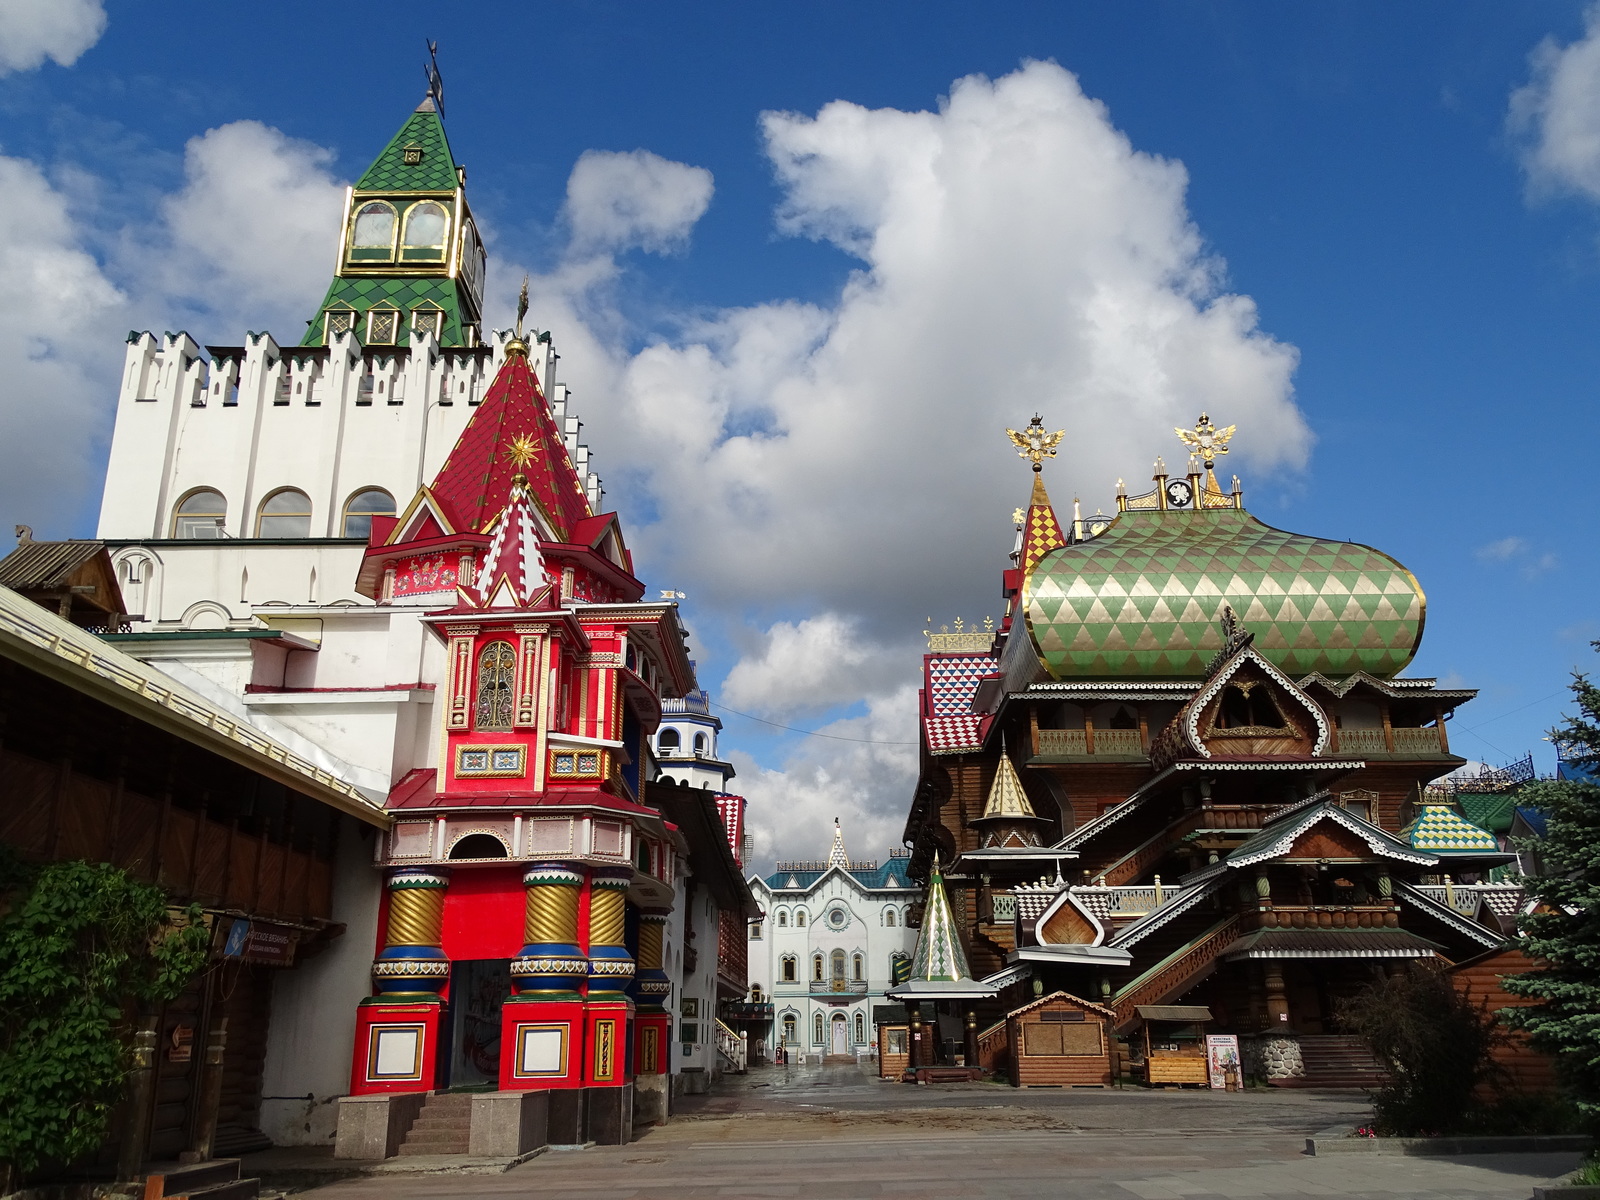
x,y
1251,715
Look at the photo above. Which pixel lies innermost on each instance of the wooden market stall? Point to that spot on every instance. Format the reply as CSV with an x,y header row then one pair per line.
x,y
1061,1041
893,1050
1172,1038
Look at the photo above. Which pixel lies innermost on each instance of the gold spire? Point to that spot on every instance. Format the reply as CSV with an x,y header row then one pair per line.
x,y
1206,440
517,345
1034,444
1006,797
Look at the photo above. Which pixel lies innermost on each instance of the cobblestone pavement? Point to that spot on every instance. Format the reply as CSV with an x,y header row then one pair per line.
x,y
837,1133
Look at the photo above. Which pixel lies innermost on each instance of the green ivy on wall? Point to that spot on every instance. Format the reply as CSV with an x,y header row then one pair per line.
x,y
82,947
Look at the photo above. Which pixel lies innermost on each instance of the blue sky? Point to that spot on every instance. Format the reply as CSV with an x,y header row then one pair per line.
x,y
1325,217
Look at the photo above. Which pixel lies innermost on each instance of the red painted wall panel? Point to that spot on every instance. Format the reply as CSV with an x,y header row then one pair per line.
x,y
483,913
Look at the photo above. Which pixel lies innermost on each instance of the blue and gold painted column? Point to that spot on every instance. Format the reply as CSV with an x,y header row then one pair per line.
x,y
610,964
608,1013
550,965
541,1026
397,1030
412,962
652,1024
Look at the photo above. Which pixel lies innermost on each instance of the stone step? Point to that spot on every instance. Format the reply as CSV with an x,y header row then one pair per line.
x,y
235,1189
193,1178
428,1120
411,1148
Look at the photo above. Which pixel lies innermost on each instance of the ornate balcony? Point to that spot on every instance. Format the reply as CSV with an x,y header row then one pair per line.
x,y
1090,743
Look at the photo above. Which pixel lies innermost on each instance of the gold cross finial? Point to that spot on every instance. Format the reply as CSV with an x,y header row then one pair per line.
x,y
1206,440
1034,444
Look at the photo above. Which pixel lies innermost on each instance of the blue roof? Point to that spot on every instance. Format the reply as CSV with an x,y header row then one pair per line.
x,y
1572,771
1533,818
891,873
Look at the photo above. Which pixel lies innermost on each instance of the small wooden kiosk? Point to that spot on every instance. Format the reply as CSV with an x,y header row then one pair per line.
x,y
893,1029
1061,1041
1173,1038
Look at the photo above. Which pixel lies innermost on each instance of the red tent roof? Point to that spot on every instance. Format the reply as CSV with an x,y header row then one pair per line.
x,y
511,433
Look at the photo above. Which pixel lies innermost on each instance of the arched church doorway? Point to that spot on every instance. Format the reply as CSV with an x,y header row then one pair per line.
x,y
839,1043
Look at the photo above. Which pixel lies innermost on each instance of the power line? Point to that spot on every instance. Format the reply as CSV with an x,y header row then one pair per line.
x,y
808,732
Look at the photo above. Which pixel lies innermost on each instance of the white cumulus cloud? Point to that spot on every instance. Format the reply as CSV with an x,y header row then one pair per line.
x,y
34,30
636,199
866,783
1017,255
817,663
250,239
53,314
1556,115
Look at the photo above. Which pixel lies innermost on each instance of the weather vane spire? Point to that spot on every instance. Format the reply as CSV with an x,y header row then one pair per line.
x,y
522,306
435,80
1034,444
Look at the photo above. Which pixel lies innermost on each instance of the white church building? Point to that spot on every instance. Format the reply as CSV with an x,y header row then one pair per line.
x,y
833,934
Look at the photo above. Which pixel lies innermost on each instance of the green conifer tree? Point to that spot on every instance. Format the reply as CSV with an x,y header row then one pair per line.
x,y
1565,939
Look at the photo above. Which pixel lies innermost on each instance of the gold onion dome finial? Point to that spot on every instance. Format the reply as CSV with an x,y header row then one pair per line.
x,y
517,345
1034,444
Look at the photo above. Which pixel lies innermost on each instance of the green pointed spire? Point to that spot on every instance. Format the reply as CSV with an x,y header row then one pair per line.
x,y
939,957
409,254
417,158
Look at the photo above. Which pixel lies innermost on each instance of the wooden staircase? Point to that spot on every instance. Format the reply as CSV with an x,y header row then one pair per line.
x,y
1336,1061
216,1179
1176,973
442,1127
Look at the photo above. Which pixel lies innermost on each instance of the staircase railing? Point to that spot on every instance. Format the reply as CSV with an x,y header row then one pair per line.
x,y
1175,972
733,1047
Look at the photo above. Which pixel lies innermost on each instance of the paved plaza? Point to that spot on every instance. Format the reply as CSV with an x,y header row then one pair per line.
x,y
837,1133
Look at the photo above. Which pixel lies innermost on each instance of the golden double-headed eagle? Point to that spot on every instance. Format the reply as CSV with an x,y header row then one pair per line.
x,y
1033,443
1206,440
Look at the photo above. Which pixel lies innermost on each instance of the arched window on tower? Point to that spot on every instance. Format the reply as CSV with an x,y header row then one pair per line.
x,y
426,223
800,917
783,920
496,666
888,917
700,743
372,232
285,514
670,739
201,515
362,507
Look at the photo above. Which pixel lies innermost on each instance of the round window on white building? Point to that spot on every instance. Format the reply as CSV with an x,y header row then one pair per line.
x,y
837,918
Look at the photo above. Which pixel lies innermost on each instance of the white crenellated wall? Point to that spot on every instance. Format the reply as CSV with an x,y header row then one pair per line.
x,y
330,421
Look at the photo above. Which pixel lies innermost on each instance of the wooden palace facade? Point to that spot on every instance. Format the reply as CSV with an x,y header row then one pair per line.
x,y
1186,769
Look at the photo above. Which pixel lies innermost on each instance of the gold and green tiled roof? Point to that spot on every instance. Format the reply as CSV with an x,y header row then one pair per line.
x,y
1144,599
405,293
436,172
1439,828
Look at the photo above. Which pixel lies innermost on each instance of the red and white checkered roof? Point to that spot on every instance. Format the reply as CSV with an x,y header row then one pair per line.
x,y
950,681
731,810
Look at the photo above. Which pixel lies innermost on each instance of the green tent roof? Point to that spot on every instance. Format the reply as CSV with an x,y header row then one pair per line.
x,y
1489,810
436,172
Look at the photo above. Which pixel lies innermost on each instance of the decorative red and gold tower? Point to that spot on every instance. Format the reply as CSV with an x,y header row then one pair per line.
x,y
528,882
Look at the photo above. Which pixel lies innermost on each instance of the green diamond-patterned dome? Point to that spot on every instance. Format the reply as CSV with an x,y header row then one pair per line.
x,y
1143,599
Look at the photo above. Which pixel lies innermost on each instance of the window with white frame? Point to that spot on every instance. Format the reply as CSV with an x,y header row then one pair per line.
x,y
790,968
816,1028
